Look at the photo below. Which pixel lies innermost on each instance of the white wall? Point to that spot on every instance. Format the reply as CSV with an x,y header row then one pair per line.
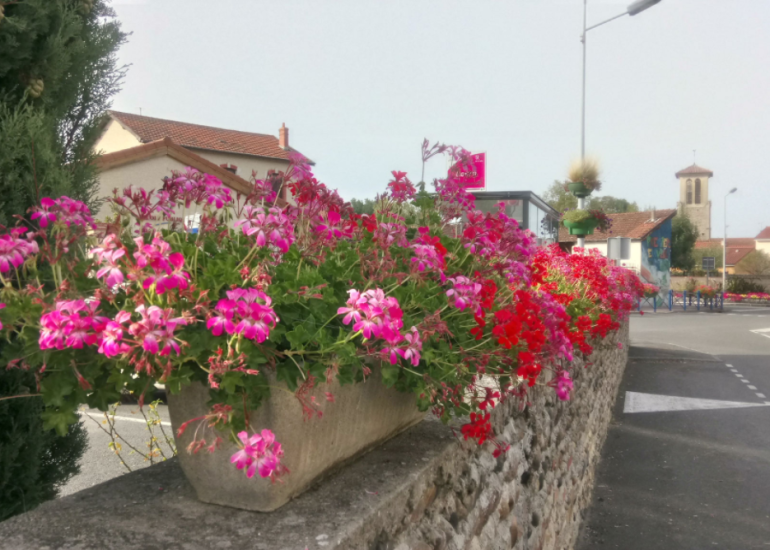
x,y
115,138
148,173
245,163
763,245
634,263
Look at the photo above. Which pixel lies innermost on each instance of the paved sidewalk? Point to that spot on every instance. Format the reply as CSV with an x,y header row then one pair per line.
x,y
686,465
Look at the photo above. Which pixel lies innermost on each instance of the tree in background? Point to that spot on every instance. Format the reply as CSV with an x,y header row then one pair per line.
x,y
755,262
561,199
699,253
365,206
684,233
34,463
58,74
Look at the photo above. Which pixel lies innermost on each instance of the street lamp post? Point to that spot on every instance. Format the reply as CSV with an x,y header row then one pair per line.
x,y
633,9
724,247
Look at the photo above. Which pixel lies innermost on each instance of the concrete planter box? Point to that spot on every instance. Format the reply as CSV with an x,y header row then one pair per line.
x,y
362,416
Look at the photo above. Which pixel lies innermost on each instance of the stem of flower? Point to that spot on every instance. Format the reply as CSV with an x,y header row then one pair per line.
x,y
21,395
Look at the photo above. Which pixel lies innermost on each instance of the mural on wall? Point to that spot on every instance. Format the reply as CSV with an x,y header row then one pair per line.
x,y
656,259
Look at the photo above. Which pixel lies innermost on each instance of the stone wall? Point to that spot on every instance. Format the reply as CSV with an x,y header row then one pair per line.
x,y
423,490
533,496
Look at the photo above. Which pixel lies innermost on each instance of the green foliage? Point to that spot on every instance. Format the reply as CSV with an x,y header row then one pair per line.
x,y
699,253
612,205
684,233
365,206
576,215
744,286
756,262
58,73
34,462
558,197
561,199
30,161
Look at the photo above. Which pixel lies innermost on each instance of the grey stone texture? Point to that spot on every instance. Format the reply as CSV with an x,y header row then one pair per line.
x,y
425,489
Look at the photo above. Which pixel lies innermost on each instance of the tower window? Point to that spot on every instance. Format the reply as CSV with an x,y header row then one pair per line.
x,y
697,191
688,185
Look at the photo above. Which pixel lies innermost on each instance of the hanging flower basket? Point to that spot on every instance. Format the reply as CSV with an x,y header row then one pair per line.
x,y
584,227
579,189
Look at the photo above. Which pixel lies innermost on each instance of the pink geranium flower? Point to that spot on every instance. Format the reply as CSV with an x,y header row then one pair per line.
x,y
245,311
156,330
259,453
371,325
412,352
392,337
44,213
355,304
223,321
564,385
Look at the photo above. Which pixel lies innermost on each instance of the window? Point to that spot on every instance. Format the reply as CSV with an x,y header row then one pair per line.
x,y
230,168
689,191
192,222
276,181
697,191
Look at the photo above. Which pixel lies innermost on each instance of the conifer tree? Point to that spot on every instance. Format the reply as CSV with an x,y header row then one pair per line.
x,y
58,74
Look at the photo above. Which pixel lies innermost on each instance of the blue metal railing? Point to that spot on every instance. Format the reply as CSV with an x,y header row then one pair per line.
x,y
685,299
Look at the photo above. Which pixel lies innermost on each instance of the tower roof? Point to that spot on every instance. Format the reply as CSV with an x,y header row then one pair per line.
x,y
695,170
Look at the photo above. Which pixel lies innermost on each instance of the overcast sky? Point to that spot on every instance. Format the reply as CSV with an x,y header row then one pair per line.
x,y
360,83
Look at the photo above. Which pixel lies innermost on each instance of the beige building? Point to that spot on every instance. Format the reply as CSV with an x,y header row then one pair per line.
x,y
140,151
694,198
763,241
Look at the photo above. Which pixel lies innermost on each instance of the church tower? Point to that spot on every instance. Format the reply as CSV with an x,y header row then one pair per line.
x,y
694,198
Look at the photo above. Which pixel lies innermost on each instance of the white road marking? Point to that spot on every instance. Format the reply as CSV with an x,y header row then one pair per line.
x,y
762,332
744,381
649,402
100,416
739,375
761,395
729,365
752,387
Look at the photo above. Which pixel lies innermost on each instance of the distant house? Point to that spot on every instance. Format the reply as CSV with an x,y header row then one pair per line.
x,y
650,234
763,240
140,150
737,249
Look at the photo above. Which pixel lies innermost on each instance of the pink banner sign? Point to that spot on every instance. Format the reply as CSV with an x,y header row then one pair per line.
x,y
474,176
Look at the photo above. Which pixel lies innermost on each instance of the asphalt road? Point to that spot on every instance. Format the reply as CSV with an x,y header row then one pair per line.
x,y
686,464
100,462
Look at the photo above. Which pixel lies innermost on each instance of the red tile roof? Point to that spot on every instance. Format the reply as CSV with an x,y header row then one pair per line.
x,y
165,147
149,129
731,243
737,249
634,225
694,170
764,234
735,255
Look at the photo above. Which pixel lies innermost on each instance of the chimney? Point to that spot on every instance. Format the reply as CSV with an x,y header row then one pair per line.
x,y
653,215
283,137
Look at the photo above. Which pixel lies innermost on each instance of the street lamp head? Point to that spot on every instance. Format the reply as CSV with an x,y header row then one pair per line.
x,y
640,5
733,190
